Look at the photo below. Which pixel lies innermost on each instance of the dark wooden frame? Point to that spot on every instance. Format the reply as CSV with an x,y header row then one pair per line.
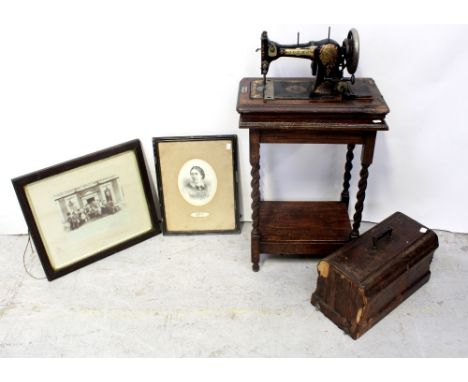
x,y
21,182
233,139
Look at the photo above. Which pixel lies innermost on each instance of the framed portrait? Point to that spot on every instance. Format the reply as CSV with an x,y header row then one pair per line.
x,y
88,208
197,184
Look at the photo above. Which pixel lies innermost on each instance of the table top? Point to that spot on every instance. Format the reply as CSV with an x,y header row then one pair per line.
x,y
369,102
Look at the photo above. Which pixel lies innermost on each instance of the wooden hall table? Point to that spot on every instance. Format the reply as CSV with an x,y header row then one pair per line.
x,y
309,228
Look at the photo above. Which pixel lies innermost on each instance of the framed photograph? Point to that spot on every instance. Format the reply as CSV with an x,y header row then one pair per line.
x,y
88,208
197,183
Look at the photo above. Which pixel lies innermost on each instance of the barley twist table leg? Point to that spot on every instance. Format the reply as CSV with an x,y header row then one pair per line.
x,y
347,174
255,184
364,174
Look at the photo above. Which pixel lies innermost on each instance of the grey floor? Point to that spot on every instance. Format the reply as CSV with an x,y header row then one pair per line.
x,y
196,296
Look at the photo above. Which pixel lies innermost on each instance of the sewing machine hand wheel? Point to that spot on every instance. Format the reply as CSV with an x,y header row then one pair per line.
x,y
351,50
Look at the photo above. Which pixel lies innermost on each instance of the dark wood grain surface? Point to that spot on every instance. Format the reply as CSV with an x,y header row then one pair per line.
x,y
370,106
303,228
302,221
363,281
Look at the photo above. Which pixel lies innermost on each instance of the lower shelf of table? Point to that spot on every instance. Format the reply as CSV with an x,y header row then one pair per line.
x,y
303,228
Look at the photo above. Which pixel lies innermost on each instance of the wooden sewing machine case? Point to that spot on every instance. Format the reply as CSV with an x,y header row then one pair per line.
x,y
364,280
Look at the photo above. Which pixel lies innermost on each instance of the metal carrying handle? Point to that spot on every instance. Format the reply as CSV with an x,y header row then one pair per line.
x,y
386,232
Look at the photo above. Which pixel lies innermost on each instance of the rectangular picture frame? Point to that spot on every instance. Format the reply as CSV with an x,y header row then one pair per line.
x,y
197,184
88,208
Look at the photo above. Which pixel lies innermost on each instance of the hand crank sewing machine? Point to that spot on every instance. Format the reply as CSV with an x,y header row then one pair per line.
x,y
329,60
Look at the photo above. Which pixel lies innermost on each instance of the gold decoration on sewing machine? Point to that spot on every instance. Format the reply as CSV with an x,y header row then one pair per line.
x,y
272,51
307,52
328,56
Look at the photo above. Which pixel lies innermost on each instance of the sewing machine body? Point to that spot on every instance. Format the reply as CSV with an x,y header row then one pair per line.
x,y
329,60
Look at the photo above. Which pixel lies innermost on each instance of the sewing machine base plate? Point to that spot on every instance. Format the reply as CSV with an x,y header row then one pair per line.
x,y
299,89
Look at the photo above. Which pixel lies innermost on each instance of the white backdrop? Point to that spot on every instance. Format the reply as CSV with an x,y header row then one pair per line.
x,y
77,77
